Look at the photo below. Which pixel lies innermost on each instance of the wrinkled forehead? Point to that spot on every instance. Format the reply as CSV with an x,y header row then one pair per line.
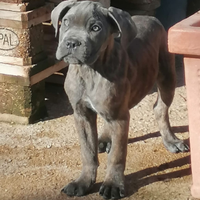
x,y
83,11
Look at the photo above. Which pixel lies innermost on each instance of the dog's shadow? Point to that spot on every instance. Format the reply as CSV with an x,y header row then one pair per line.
x,y
139,179
56,101
175,129
150,175
147,176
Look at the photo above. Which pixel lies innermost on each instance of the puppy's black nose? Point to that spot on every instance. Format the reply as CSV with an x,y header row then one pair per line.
x,y
72,44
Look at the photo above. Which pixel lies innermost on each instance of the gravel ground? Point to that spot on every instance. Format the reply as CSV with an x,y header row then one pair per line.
x,y
37,160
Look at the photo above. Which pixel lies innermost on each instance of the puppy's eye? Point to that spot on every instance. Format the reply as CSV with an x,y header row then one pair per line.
x,y
96,28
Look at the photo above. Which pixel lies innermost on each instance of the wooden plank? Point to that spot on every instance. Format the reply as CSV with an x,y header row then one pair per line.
x,y
14,70
20,1
47,72
10,15
11,60
36,13
13,24
55,1
25,71
24,24
58,77
40,66
4,117
17,5
22,61
13,7
39,20
28,15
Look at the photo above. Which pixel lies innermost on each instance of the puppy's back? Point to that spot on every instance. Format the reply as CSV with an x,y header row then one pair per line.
x,y
148,28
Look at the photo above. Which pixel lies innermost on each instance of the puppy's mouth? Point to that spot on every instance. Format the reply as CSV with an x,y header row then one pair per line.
x,y
74,57
67,55
71,59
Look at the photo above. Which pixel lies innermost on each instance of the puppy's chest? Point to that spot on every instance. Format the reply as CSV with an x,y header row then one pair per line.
x,y
100,104
90,87
99,95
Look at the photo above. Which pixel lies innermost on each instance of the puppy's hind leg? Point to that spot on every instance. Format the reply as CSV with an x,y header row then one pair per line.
x,y
166,86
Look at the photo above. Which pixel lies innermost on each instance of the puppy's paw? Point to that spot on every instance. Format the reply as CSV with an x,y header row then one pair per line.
x,y
176,146
104,147
112,191
76,189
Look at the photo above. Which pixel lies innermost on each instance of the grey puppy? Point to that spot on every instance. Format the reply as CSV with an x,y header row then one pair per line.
x,y
114,62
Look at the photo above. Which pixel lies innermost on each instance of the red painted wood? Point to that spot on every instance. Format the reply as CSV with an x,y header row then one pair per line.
x,y
184,38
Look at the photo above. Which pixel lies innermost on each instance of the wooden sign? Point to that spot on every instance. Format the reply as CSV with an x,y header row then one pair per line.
x,y
21,42
8,39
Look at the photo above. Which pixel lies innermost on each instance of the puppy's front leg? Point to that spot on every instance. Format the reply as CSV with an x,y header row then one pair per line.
x,y
85,120
113,185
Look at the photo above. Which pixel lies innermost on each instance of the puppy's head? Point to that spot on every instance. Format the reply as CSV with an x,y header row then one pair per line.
x,y
86,28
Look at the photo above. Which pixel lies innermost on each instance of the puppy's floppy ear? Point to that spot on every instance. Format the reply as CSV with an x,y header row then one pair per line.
x,y
123,24
59,11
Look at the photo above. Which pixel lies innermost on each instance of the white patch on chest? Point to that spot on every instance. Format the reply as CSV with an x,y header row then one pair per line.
x,y
92,106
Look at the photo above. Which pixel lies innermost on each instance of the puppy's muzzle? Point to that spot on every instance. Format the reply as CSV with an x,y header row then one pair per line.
x,y
70,49
72,44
